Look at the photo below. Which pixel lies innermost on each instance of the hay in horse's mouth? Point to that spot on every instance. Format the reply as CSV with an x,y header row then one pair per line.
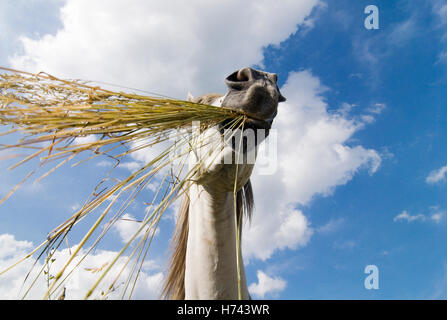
x,y
254,122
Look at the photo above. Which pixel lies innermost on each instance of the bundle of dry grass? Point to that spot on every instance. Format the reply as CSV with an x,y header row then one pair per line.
x,y
52,114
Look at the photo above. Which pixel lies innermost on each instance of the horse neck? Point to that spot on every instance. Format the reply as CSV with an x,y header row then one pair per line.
x,y
211,258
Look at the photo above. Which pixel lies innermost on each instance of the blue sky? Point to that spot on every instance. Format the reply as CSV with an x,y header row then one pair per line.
x,y
408,78
385,88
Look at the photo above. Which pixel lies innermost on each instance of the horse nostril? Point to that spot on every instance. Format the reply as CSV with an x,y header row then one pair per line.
x,y
244,75
241,79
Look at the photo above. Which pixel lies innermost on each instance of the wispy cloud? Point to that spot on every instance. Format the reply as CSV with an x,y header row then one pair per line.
x,y
436,175
153,186
440,12
406,216
402,32
345,245
104,163
75,207
437,217
376,108
382,45
371,113
376,49
332,226
131,166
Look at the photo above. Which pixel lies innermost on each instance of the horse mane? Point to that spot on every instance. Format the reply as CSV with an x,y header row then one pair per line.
x,y
206,98
174,284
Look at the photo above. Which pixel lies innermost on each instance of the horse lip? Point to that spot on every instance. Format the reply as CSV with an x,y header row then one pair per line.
x,y
259,122
253,117
268,120
247,114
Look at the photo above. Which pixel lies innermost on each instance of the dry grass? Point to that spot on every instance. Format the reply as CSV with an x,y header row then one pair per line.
x,y
52,114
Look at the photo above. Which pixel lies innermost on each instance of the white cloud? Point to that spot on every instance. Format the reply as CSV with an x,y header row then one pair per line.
x,y
10,251
75,207
437,214
376,108
86,139
313,159
346,108
127,226
145,152
148,286
405,216
437,217
436,175
168,47
11,248
131,166
153,186
366,118
266,285
112,197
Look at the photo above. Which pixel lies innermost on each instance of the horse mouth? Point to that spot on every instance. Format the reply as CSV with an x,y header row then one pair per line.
x,y
254,122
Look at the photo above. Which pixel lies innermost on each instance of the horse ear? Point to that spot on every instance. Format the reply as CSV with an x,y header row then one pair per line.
x,y
190,97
